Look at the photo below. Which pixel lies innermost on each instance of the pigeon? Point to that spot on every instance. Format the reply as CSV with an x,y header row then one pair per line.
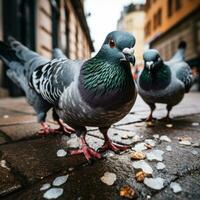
x,y
164,82
57,53
96,92
22,62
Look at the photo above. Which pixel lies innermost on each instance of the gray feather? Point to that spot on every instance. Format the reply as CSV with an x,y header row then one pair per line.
x,y
57,53
179,76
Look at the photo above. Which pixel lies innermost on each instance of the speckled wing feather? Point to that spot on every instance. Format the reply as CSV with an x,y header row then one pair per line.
x,y
184,74
51,79
21,62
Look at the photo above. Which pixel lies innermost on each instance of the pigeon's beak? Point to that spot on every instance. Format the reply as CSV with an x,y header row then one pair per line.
x,y
129,55
149,64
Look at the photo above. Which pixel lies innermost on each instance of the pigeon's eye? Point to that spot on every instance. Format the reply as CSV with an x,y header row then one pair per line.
x,y
112,43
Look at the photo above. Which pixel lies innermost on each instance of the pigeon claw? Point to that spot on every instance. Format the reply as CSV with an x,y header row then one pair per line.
x,y
108,145
46,130
149,118
89,153
65,127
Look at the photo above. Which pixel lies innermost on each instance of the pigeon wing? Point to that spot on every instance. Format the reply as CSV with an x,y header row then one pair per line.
x,y
184,74
51,79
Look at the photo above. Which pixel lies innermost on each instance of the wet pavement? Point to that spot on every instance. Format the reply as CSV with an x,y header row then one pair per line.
x,y
27,161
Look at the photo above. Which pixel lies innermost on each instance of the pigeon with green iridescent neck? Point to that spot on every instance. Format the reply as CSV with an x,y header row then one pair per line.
x,y
96,92
164,82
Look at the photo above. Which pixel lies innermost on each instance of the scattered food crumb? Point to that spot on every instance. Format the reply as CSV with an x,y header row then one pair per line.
x,y
154,183
144,166
155,155
195,124
168,148
124,136
127,135
150,124
156,136
61,153
148,197
3,164
108,154
169,125
73,142
139,147
185,142
53,193
71,169
165,138
137,156
139,124
109,178
160,166
175,187
60,180
148,146
151,142
45,186
184,138
6,116
128,192
194,152
140,176
136,138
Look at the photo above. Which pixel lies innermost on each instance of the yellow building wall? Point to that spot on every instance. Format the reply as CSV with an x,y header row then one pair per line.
x,y
134,23
167,22
78,43
44,33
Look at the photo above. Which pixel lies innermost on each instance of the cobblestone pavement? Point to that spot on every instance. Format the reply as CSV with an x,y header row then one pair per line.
x,y
27,161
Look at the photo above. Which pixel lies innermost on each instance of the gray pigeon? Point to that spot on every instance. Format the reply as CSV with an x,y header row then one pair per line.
x,y
97,92
57,53
164,82
22,62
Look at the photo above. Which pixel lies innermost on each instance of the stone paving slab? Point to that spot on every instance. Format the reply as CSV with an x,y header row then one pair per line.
x,y
21,119
8,182
33,160
4,138
21,131
189,105
36,159
190,191
84,182
16,104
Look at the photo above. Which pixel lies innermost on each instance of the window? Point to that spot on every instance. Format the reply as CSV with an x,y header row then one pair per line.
x,y
155,21
169,8
77,42
18,19
159,17
148,5
178,4
67,31
55,9
148,29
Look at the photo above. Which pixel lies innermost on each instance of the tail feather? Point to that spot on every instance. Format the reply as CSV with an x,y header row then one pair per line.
x,y
180,53
21,51
7,54
57,53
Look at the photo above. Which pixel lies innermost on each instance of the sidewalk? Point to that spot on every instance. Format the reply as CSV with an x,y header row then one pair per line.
x,y
28,161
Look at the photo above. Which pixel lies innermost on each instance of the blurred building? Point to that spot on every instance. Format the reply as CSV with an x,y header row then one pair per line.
x,y
132,20
168,22
43,25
